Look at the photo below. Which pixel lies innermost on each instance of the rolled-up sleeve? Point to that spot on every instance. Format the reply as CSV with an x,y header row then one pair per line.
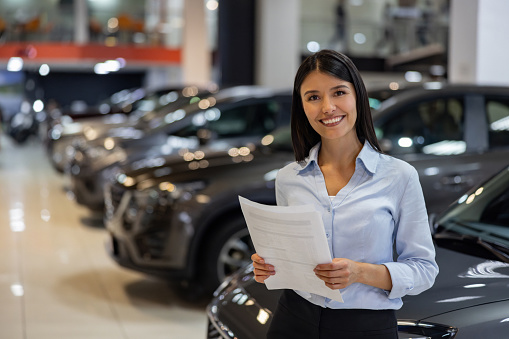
x,y
415,269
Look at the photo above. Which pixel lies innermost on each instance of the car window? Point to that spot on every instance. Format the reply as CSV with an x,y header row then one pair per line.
x,y
430,127
484,213
247,119
498,121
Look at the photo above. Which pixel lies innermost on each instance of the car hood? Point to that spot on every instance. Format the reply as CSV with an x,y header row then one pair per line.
x,y
464,281
207,162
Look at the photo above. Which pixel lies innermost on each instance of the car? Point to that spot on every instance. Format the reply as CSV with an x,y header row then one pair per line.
x,y
469,299
128,108
231,117
182,221
132,242
454,135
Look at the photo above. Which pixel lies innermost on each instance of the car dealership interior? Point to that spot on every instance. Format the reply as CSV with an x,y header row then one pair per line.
x,y
129,128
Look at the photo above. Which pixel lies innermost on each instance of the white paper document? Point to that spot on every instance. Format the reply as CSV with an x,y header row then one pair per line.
x,y
292,239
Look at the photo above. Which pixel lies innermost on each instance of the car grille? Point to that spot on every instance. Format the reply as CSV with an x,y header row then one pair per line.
x,y
151,245
116,193
154,226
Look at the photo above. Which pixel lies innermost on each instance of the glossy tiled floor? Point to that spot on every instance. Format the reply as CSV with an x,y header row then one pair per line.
x,y
56,279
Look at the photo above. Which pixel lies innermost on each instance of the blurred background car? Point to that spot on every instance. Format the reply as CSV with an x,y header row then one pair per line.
x,y
182,221
127,108
454,135
469,299
232,117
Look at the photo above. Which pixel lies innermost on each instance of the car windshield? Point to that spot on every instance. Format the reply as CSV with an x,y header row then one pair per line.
x,y
159,106
480,219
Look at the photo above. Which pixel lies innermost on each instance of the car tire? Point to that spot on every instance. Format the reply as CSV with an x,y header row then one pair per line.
x,y
228,249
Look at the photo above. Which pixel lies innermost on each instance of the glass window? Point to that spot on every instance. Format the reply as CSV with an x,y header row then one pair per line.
x,y
431,127
479,223
245,120
487,205
498,121
249,119
497,211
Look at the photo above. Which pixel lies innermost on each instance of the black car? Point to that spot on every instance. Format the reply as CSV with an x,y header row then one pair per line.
x,y
470,297
127,109
454,135
232,117
133,227
182,221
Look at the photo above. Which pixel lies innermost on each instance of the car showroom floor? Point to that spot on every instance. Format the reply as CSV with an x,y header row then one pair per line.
x,y
56,279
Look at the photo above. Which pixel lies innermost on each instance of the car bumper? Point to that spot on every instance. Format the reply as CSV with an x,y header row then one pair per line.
x,y
88,190
151,243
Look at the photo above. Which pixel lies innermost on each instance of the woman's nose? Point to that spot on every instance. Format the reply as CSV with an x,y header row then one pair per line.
x,y
328,105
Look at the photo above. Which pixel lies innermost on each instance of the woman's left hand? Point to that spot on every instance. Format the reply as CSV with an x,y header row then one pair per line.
x,y
338,274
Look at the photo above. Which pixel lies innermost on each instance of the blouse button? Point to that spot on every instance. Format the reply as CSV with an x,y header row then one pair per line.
x,y
327,234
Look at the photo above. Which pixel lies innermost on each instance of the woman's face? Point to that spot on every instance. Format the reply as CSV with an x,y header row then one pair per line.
x,y
330,105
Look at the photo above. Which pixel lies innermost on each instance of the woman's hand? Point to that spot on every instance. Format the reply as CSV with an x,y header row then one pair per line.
x,y
341,273
261,270
338,274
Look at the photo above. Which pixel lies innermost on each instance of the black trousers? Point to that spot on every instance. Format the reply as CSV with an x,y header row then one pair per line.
x,y
297,318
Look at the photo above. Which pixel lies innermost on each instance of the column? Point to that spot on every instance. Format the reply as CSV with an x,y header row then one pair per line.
x,y
196,55
236,46
81,33
478,46
277,42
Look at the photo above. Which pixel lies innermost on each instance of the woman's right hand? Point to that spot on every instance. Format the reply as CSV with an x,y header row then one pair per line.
x,y
261,270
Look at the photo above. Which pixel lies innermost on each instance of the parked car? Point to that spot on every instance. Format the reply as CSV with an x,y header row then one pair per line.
x,y
232,117
127,109
454,135
469,299
135,234
182,221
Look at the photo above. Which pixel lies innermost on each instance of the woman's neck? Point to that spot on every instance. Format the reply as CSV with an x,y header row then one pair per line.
x,y
339,153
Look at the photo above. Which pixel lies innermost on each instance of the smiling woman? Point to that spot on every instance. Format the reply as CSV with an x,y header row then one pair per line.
x,y
370,203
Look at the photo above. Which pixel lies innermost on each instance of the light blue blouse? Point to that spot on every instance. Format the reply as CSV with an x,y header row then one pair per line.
x,y
381,205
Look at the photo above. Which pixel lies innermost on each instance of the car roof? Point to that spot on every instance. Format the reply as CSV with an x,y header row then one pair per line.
x,y
432,89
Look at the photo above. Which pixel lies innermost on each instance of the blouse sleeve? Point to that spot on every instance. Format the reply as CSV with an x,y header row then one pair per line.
x,y
415,269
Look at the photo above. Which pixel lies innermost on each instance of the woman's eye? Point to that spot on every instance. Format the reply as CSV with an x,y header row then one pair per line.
x,y
339,93
312,97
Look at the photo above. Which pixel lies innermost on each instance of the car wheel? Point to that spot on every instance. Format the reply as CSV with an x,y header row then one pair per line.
x,y
228,249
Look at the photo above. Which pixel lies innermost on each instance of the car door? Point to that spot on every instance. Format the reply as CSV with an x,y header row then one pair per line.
x,y
430,134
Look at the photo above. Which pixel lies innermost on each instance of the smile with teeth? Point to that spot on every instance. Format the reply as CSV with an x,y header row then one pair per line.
x,y
332,121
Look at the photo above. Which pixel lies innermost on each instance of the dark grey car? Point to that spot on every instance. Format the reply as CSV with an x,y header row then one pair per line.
x,y
231,117
454,135
470,297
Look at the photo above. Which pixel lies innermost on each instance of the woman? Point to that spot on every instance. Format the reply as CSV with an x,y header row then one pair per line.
x,y
371,204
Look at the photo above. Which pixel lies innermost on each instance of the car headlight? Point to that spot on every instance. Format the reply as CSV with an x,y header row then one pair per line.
x,y
423,330
165,189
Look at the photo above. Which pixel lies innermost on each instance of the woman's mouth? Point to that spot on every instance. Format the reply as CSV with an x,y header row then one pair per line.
x,y
332,121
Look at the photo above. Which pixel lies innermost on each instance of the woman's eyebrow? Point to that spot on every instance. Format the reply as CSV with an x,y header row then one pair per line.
x,y
332,89
339,86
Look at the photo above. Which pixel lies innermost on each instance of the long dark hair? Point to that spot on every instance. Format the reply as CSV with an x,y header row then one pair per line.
x,y
304,137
